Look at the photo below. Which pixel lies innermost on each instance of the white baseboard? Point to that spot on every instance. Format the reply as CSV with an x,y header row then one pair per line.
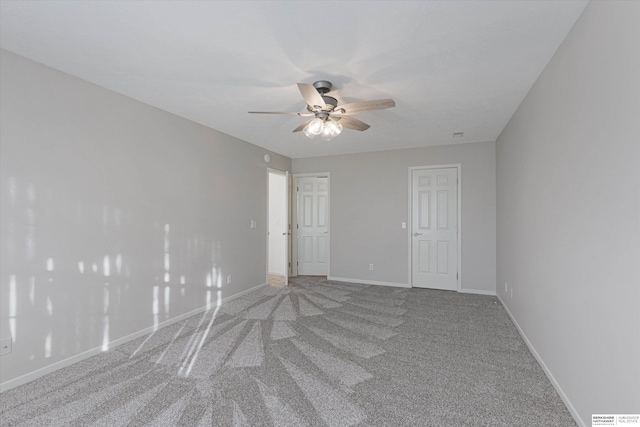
x,y
402,285
368,282
546,370
477,292
23,379
246,291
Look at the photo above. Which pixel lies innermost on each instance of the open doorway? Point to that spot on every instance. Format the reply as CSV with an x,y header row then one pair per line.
x,y
278,230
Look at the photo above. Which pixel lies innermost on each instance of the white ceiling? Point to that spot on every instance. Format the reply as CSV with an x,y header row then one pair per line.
x,y
449,65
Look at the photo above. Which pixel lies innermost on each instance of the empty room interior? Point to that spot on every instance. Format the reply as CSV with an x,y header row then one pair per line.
x,y
319,213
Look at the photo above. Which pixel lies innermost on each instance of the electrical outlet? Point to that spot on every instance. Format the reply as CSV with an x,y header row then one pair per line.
x,y
404,225
229,279
5,346
370,266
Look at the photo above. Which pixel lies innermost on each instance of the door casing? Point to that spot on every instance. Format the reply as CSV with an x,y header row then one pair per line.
x,y
458,167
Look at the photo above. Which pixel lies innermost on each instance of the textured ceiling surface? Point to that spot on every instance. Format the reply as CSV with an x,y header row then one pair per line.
x,y
451,66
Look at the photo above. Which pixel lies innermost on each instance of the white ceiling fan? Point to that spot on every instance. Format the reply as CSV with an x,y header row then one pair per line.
x,y
328,117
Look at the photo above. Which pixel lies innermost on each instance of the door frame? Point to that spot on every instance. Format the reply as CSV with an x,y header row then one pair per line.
x,y
287,246
458,167
294,219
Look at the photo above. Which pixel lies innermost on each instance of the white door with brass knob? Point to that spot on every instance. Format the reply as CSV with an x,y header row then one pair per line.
x,y
434,228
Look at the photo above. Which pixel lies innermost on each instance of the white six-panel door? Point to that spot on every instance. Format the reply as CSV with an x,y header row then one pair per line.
x,y
434,222
313,226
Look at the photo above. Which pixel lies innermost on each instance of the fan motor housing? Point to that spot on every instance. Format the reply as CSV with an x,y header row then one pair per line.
x,y
331,102
322,86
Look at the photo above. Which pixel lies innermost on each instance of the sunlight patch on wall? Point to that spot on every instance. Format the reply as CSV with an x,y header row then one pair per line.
x,y
13,305
31,193
12,296
167,261
105,320
167,297
105,299
155,307
208,294
34,232
30,233
47,346
106,266
105,334
32,290
118,263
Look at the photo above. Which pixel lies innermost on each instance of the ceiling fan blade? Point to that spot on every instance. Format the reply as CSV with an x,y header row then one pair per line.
x,y
302,126
311,95
351,123
361,107
274,112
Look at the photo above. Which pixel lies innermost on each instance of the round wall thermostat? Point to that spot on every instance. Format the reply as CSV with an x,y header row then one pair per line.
x,y
267,158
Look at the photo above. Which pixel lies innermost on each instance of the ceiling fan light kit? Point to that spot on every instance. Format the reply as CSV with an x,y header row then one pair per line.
x,y
326,128
328,118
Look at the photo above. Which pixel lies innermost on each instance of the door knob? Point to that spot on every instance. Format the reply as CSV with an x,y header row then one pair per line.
x,y
417,234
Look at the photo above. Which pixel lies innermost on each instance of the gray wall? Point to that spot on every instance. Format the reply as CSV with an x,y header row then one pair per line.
x,y
568,186
369,201
102,196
